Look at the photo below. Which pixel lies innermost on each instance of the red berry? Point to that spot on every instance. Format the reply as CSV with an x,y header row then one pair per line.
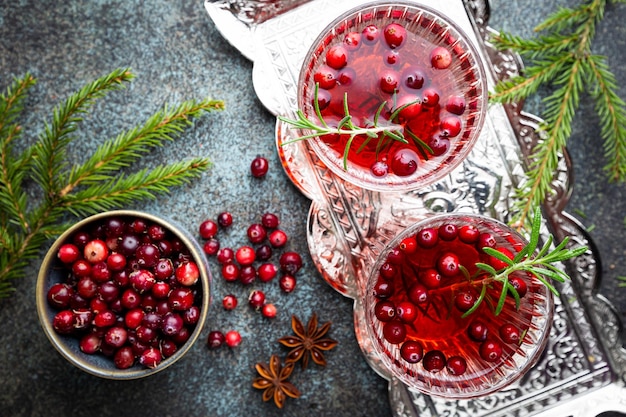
x,y
215,339
430,97
134,318
464,300
448,264
225,255
264,252
418,293
383,289
451,126
269,310
395,35
404,162
486,240
150,357
287,283
456,365
180,299
124,358
59,295
229,302
116,336
447,231
370,34
431,278
412,351
455,105
270,220
408,245
434,361
290,262
427,238
406,312
172,324
68,253
142,280
389,82
469,234
259,167
256,233
63,322
116,261
411,107
96,251
519,284
490,350
388,270
211,246
326,77
509,333
352,40
413,78
104,319
278,238
337,57
247,274
90,343
385,310
256,299
187,273
208,229
439,144
379,169
440,58
225,219
394,332
267,272
230,272
498,264
232,338
245,255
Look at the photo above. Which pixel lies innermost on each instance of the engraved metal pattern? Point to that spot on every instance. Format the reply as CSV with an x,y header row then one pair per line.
x,y
581,372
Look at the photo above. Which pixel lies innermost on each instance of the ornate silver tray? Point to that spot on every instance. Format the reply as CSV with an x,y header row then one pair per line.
x,y
582,372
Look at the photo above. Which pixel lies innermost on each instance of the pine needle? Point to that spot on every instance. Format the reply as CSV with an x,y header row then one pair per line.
x,y
93,186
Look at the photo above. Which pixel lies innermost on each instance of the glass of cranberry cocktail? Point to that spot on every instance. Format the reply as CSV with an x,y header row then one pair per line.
x,y
440,324
399,93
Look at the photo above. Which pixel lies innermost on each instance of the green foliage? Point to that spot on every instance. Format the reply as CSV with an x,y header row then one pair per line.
x,y
560,57
80,190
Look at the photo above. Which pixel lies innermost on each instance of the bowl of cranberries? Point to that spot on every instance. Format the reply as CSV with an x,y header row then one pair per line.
x,y
437,315
123,294
398,94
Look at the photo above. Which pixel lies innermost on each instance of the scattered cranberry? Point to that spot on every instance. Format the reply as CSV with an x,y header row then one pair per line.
x,y
208,229
211,246
225,219
290,262
263,252
259,167
256,299
434,361
256,233
287,283
267,272
215,339
278,238
270,220
230,272
229,302
232,338
225,256
269,310
245,255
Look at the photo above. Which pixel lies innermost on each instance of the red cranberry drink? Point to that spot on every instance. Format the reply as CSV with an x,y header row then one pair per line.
x,y
440,323
411,78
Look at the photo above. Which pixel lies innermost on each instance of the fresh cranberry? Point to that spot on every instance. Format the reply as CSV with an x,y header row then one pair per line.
x,y
267,272
156,232
519,284
116,336
290,262
370,33
383,289
95,251
225,219
379,169
439,144
456,365
287,283
337,57
412,351
278,238
469,234
408,245
389,81
413,78
225,255
447,232
172,324
211,246
509,333
431,278
168,347
208,229
130,298
97,305
152,319
263,252
87,288
388,270
448,264
245,255
63,322
80,239
230,272
256,299
150,358
346,77
229,302
129,244
59,295
464,300
486,240
269,310
164,269
247,274
434,361
142,280
116,261
427,238
490,350
455,105
270,220
191,316
395,35
232,338
182,336
109,291
180,299
215,339
394,332
326,77
451,126
259,167
104,319
134,318
411,107
352,40
498,264
81,268
430,97
256,233
404,162
83,318
418,293
90,343
187,273
440,57
395,256
385,310
161,289
406,312
68,253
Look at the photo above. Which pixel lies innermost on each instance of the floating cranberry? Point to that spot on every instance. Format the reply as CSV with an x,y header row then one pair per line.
x,y
406,312
448,264
370,33
337,57
431,278
456,365
509,333
352,40
469,233
498,264
412,351
326,77
439,144
259,167
440,57
411,107
389,81
434,361
413,78
392,58
486,240
427,237
287,283
490,350
394,332
215,339
395,35
395,256
408,245
379,169
208,229
404,162
519,284
418,293
455,105
232,338
383,289
388,270
464,300
385,310
430,97
447,232
451,126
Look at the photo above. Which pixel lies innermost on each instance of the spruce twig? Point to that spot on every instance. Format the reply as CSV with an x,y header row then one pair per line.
x,y
83,189
560,57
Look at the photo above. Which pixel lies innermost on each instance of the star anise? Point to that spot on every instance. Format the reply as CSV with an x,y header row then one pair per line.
x,y
273,380
310,342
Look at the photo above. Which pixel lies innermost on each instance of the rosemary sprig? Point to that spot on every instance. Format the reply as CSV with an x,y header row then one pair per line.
x,y
83,189
376,129
542,264
560,57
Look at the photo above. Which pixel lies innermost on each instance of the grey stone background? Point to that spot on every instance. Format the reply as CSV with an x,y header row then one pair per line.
x,y
176,53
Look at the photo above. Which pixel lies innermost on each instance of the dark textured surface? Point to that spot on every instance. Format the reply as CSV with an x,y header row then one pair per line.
x,y
176,53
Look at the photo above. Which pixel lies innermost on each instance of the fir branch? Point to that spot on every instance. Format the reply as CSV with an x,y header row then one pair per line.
x,y
560,57
96,184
